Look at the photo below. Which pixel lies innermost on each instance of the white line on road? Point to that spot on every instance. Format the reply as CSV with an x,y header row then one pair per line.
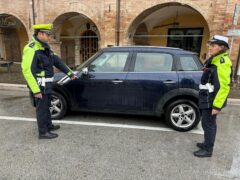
x,y
84,123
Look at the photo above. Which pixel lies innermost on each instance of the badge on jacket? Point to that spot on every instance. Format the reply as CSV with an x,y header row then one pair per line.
x,y
31,44
222,60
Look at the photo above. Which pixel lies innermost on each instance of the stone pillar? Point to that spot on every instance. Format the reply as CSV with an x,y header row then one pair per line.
x,y
56,47
77,52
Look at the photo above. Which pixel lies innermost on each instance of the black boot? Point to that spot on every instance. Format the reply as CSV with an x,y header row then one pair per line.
x,y
202,153
200,145
54,127
47,135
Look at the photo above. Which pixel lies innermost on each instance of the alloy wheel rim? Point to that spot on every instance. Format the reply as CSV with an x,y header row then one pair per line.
x,y
183,116
56,106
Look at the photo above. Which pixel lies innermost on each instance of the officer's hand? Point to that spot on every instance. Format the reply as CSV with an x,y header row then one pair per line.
x,y
74,77
215,112
38,95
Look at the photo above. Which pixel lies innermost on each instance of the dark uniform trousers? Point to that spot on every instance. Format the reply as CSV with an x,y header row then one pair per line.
x,y
43,113
210,128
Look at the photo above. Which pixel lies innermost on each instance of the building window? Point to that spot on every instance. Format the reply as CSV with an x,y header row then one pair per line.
x,y
185,38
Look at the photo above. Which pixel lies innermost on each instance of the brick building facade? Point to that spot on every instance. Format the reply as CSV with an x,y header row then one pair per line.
x,y
82,27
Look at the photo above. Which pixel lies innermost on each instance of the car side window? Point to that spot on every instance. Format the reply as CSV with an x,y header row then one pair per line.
x,y
153,62
109,62
187,63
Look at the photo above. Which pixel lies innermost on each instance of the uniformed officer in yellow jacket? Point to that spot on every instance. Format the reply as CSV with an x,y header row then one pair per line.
x,y
37,67
214,90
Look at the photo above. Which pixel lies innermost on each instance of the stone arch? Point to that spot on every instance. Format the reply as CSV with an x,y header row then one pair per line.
x,y
144,18
13,36
68,28
65,14
25,24
151,9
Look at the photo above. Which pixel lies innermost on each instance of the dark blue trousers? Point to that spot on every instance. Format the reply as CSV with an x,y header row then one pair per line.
x,y
209,127
44,120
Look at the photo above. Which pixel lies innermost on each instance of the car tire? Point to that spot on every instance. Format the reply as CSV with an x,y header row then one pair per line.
x,y
182,115
58,107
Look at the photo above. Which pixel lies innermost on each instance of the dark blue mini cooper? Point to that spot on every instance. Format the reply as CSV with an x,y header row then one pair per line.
x,y
134,80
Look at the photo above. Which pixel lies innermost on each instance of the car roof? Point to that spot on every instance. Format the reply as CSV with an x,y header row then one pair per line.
x,y
171,50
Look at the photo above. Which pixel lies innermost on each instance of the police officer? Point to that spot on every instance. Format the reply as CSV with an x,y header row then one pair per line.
x,y
37,67
214,90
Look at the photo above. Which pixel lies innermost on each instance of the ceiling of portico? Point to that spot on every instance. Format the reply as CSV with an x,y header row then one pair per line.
x,y
172,12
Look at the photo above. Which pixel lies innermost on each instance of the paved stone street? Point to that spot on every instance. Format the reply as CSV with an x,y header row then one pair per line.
x,y
94,146
101,152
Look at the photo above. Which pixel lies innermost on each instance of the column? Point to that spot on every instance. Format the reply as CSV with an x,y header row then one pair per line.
x,y
2,46
77,52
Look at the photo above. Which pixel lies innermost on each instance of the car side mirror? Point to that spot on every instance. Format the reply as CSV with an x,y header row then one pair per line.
x,y
85,71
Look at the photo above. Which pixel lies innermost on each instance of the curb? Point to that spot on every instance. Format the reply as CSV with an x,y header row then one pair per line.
x,y
232,101
13,87
22,87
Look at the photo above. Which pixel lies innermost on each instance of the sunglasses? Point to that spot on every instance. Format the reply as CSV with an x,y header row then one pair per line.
x,y
49,33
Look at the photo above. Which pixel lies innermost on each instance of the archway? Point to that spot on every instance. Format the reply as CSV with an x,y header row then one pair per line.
x,y
171,24
69,30
13,37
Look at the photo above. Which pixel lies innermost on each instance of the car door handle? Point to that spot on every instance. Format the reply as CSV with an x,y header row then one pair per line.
x,y
117,81
169,82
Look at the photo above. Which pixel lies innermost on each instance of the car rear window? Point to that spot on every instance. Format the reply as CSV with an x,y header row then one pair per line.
x,y
153,62
187,63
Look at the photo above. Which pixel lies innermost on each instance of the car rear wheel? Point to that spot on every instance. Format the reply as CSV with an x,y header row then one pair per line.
x,y
58,107
182,115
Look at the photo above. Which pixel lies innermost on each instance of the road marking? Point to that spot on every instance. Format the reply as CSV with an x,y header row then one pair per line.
x,y
234,171
84,123
234,104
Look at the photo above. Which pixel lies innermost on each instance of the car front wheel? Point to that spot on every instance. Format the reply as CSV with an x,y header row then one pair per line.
x,y
182,115
58,107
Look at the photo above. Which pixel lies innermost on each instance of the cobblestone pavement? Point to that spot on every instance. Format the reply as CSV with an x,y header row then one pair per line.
x,y
87,152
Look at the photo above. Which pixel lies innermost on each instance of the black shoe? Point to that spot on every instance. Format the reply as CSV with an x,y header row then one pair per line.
x,y
202,153
200,145
47,135
54,127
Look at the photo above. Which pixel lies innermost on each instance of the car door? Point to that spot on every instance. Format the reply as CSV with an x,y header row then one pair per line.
x,y
189,70
150,78
100,90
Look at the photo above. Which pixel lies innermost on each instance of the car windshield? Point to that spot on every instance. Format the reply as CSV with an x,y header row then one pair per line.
x,y
79,67
109,62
